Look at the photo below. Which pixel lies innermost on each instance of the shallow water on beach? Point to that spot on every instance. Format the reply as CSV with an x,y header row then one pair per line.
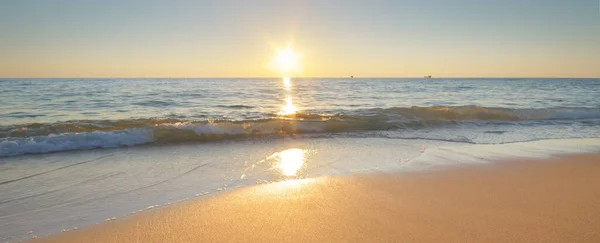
x,y
49,193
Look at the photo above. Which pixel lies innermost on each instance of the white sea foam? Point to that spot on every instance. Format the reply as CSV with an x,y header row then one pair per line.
x,y
73,141
208,128
465,132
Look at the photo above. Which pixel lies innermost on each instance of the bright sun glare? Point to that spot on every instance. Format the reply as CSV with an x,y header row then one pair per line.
x,y
286,60
290,161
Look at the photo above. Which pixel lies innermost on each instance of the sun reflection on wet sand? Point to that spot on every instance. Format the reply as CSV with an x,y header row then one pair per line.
x,y
284,188
290,161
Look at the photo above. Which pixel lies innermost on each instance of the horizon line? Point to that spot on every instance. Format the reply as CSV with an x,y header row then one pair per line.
x,y
276,77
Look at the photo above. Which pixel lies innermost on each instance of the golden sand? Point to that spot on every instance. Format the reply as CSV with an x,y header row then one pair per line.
x,y
555,200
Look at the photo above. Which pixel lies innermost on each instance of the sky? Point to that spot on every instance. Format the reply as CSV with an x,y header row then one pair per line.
x,y
333,38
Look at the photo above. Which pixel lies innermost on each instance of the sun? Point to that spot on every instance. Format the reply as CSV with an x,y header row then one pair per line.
x,y
287,61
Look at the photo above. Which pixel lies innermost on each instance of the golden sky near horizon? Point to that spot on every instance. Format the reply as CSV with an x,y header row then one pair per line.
x,y
332,39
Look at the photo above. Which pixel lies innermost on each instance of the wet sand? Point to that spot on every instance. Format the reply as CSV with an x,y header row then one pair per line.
x,y
555,200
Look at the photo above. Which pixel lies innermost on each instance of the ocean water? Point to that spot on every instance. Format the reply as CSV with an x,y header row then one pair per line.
x,y
49,115
77,152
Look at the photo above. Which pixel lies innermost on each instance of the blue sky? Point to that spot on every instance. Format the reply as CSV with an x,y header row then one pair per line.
x,y
464,38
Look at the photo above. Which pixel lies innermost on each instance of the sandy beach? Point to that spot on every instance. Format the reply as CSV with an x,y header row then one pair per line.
x,y
554,200
299,121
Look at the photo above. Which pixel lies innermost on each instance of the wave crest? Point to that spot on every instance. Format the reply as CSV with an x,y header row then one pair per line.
x,y
88,134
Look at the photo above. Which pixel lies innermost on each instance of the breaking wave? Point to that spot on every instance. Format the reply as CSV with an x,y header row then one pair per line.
x,y
89,134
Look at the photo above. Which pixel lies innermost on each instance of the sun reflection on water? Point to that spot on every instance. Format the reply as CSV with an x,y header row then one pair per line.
x,y
287,82
288,108
290,161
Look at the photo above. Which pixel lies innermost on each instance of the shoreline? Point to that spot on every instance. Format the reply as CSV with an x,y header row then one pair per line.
x,y
545,200
83,189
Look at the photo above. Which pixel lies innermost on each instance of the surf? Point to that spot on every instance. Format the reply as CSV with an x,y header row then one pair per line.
x,y
91,134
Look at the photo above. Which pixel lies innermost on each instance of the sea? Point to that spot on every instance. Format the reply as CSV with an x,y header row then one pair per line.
x,y
78,152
